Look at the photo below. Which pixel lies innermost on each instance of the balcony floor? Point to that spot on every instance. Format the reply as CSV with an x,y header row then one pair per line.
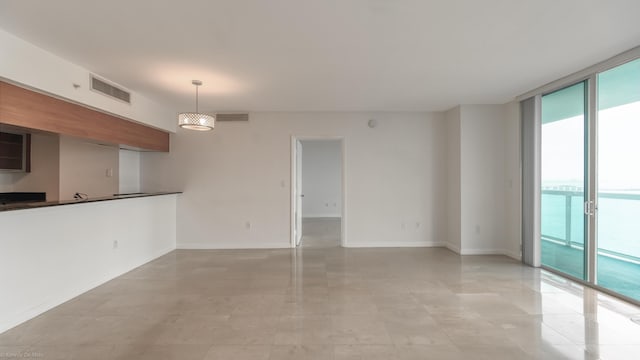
x,y
617,275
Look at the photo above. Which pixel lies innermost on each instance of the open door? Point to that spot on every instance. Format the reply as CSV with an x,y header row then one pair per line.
x,y
298,193
324,211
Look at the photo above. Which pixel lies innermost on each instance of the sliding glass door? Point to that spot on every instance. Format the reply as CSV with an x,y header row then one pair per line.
x,y
590,180
618,195
563,184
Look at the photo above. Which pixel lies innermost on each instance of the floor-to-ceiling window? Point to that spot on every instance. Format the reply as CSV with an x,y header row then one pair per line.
x,y
618,191
590,180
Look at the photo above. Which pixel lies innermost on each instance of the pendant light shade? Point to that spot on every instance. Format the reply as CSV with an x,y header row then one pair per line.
x,y
196,120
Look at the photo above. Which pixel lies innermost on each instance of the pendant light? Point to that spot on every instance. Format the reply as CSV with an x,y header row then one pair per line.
x,y
196,120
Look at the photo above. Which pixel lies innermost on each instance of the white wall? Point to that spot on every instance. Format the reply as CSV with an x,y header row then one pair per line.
x,y
129,171
482,180
236,179
26,64
45,170
322,178
483,202
454,200
83,168
513,194
50,255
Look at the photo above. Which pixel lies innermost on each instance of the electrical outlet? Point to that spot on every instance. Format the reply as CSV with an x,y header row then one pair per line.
x,y
247,225
115,244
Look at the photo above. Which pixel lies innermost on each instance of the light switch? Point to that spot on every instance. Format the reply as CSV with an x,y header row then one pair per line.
x,y
109,172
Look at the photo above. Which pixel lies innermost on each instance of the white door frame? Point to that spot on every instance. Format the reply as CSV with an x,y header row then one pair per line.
x,y
294,139
298,195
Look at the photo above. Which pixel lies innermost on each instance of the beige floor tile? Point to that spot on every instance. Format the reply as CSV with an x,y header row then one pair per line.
x,y
495,351
238,352
301,352
545,351
204,305
21,352
307,307
247,330
439,352
366,352
418,335
489,304
165,352
398,302
192,329
44,329
359,329
318,233
352,304
78,352
258,304
307,329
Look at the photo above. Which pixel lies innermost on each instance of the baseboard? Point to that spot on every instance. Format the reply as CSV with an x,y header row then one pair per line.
x,y
51,303
315,216
487,252
452,247
516,255
395,244
232,246
457,250
482,252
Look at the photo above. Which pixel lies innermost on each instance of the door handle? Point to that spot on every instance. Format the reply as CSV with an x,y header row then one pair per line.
x,y
589,208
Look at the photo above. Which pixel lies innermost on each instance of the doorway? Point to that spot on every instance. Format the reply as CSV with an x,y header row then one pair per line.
x,y
317,192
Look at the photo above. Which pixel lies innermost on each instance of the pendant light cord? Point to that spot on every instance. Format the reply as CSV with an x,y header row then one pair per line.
x,y
197,99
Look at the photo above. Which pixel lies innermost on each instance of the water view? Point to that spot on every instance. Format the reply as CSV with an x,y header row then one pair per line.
x,y
565,210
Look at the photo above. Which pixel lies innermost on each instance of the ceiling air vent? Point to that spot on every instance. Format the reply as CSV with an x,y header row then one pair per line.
x,y
232,117
110,90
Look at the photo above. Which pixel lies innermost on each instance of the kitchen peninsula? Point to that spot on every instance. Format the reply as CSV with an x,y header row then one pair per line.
x,y
51,254
52,251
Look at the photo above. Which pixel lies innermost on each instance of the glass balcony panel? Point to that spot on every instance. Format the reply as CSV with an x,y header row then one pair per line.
x,y
563,180
618,233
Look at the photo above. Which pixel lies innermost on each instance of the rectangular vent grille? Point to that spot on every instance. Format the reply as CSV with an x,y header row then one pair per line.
x,y
110,90
232,117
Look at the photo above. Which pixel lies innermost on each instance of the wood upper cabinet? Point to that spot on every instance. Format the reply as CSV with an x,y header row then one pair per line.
x,y
29,109
15,152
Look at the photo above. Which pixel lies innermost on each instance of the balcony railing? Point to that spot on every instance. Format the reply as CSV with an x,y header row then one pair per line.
x,y
563,222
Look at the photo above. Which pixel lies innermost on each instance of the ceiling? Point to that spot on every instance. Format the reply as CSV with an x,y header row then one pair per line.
x,y
328,55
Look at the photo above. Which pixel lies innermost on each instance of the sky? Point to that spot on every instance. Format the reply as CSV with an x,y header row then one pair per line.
x,y
618,150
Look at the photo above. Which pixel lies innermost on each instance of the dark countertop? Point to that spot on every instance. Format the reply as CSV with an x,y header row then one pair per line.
x,y
33,205
28,197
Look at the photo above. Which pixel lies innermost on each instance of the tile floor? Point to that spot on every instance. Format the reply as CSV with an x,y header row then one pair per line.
x,y
332,303
320,232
